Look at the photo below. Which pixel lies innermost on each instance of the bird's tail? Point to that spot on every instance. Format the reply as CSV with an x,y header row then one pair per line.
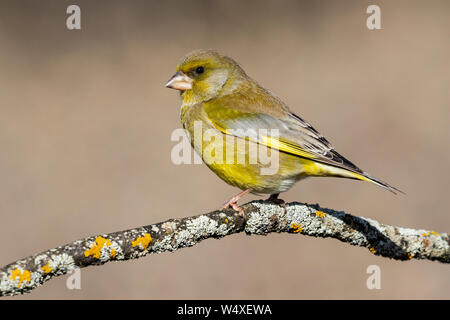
x,y
356,174
366,177
349,171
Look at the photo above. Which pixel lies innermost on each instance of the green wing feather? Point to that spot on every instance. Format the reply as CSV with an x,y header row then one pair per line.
x,y
236,114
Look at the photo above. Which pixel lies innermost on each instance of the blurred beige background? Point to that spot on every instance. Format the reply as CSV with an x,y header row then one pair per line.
x,y
85,125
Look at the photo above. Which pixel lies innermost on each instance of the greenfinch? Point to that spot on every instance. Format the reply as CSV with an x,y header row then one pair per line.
x,y
219,97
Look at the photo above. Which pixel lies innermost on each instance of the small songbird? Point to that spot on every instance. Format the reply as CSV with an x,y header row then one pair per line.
x,y
223,101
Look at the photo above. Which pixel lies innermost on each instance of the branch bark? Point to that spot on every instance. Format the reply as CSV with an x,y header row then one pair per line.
x,y
263,217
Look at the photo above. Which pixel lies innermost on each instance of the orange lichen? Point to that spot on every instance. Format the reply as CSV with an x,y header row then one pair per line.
x,y
96,249
226,221
23,276
410,256
372,249
296,227
320,214
46,268
434,233
144,241
113,253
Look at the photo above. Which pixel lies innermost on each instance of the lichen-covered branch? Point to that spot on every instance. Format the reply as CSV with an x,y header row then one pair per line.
x,y
263,217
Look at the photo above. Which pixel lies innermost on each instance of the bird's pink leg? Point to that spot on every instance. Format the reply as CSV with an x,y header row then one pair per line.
x,y
233,202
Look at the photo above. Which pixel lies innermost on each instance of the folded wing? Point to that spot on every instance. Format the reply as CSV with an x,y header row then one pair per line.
x,y
285,132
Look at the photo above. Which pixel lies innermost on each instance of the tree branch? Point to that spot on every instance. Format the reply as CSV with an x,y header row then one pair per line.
x,y
263,217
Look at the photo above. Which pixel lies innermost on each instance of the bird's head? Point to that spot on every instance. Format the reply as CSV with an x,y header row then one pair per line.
x,y
205,74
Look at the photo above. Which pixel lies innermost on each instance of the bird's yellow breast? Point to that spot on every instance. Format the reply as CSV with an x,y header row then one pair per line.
x,y
232,160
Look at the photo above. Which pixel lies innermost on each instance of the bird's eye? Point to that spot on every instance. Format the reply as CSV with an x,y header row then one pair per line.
x,y
199,70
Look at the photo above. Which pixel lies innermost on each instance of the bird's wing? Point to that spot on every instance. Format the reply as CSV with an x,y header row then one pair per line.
x,y
240,113
293,135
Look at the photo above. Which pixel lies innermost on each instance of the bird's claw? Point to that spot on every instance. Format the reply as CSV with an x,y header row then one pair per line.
x,y
274,198
235,207
233,203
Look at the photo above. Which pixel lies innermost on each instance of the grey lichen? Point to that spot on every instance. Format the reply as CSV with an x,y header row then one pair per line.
x,y
260,221
262,217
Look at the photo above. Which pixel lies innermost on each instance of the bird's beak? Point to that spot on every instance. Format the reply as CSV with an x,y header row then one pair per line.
x,y
179,81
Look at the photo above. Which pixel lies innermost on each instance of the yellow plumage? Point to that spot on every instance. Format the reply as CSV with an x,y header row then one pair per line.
x,y
218,95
